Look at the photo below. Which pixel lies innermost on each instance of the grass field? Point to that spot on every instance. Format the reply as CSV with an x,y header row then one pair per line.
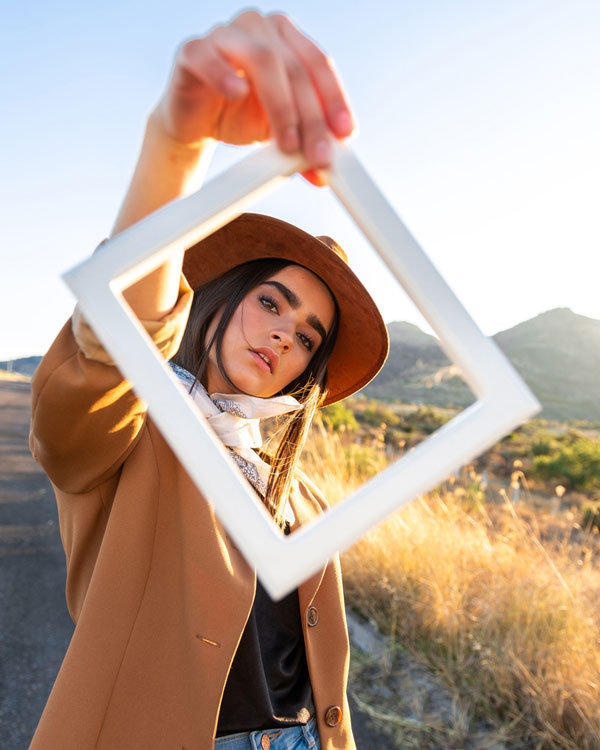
x,y
501,603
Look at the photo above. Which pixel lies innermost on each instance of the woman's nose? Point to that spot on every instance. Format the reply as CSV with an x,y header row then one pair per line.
x,y
282,339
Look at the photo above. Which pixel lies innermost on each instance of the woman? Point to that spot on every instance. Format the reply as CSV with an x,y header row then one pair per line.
x,y
175,641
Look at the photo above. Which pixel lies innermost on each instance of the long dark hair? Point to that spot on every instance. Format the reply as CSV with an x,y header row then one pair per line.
x,y
310,387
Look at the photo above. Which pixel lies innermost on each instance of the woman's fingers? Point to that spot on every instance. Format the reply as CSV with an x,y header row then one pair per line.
x,y
259,76
202,60
323,75
249,45
291,100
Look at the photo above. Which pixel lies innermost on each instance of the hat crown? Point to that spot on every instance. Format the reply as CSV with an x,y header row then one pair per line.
x,y
333,245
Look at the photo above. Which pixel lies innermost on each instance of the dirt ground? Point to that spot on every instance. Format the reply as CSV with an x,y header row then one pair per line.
x,y
35,627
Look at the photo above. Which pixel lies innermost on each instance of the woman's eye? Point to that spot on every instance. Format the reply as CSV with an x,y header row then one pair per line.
x,y
268,303
306,341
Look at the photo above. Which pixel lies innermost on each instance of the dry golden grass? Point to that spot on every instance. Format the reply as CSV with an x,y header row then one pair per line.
x,y
13,376
338,466
511,627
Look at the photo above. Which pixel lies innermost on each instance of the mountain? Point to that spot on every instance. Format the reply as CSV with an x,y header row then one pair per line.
x,y
418,371
557,353
24,365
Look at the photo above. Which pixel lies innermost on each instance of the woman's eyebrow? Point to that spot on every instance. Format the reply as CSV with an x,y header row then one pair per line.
x,y
294,303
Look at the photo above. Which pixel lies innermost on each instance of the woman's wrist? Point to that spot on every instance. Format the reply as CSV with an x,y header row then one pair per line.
x,y
181,150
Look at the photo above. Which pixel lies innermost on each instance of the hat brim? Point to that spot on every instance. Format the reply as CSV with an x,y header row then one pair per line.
x,y
362,344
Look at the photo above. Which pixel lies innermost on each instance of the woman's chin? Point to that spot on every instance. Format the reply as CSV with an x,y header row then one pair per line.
x,y
243,384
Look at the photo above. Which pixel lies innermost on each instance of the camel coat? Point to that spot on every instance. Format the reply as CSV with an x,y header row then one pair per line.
x,y
158,591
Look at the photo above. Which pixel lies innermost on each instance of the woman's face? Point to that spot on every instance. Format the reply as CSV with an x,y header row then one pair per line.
x,y
273,334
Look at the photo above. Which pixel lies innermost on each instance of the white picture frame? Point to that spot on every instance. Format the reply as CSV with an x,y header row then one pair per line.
x,y
282,562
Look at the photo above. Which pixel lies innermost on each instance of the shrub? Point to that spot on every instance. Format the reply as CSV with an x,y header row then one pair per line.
x,y
577,464
376,415
543,443
590,518
427,420
339,416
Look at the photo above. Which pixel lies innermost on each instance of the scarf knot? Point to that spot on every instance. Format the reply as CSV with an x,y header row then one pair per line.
x,y
235,418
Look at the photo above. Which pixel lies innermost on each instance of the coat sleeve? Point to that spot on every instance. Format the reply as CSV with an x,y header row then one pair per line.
x,y
85,417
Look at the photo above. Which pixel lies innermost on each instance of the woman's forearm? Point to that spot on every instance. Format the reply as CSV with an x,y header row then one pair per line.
x,y
164,171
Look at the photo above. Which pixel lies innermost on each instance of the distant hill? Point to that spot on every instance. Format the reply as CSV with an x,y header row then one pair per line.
x,y
557,353
418,371
24,366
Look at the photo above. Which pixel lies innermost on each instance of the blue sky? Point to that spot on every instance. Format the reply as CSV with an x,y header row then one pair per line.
x,y
479,120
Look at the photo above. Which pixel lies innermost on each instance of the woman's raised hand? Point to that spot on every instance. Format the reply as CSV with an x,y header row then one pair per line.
x,y
255,78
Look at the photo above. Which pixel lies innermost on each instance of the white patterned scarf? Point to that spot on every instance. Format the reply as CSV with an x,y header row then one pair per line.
x,y
235,418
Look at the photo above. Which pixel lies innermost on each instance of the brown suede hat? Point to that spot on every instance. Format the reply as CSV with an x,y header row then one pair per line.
x,y
362,343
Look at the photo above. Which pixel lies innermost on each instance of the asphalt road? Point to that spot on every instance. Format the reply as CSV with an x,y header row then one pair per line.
x,y
35,626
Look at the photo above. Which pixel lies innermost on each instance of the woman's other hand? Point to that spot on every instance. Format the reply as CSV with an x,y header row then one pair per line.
x,y
255,78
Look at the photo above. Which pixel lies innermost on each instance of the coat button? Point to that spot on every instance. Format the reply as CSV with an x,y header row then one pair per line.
x,y
312,617
333,716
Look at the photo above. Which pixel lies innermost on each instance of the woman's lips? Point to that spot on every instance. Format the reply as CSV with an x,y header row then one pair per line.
x,y
266,359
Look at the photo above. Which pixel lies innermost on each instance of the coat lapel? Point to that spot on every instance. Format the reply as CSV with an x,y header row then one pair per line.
x,y
306,507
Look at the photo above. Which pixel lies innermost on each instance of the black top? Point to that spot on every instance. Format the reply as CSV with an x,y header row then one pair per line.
x,y
268,685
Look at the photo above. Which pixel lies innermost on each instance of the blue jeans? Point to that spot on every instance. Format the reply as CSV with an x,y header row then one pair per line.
x,y
292,738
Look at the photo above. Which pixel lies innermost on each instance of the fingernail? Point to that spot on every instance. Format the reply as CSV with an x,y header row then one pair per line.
x,y
236,85
291,139
322,152
343,122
